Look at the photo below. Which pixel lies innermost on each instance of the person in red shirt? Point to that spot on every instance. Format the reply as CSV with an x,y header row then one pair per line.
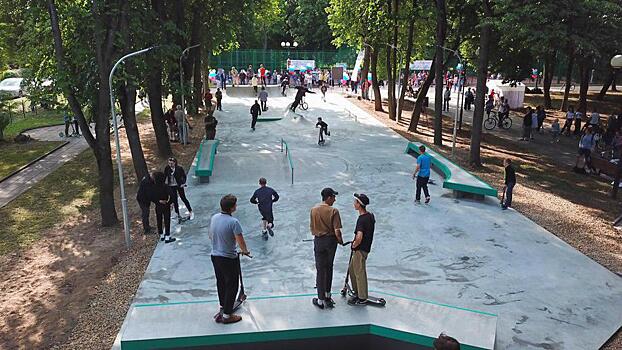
x,y
262,74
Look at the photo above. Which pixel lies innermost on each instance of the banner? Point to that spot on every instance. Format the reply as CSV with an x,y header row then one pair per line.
x,y
300,64
421,65
357,65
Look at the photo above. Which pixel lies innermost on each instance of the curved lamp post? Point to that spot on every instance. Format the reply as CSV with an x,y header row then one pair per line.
x,y
126,221
184,127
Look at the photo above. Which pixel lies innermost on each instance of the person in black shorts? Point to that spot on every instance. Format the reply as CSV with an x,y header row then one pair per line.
x,y
361,246
264,196
323,130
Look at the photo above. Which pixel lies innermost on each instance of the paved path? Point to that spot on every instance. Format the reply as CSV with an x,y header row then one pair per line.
x,y
25,179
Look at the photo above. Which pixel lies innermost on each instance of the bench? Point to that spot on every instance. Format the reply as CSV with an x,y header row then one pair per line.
x,y
457,179
204,166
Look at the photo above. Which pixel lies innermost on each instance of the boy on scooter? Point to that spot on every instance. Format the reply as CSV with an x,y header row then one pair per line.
x,y
364,235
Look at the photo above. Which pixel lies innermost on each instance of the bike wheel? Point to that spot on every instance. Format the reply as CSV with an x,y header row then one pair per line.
x,y
304,106
506,123
490,123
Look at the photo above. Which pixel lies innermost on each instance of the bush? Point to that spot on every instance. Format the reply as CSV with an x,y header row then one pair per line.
x,y
12,73
5,117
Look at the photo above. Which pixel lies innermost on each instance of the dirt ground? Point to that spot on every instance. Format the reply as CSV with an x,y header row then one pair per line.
x,y
72,289
574,207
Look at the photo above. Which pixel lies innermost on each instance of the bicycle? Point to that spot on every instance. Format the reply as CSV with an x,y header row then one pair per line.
x,y
492,120
563,87
304,105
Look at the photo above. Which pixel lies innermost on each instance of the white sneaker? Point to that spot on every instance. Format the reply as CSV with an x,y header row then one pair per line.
x,y
191,215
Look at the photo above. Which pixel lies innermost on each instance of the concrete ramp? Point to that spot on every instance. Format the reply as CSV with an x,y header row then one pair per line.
x,y
292,322
247,91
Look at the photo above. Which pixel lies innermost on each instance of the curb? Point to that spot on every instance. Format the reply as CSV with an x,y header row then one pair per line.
x,y
34,161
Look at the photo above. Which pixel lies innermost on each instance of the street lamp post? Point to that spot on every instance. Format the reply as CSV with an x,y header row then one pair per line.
x,y
184,127
126,221
453,141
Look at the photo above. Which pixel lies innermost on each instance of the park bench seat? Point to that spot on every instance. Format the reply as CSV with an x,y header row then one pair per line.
x,y
455,178
205,160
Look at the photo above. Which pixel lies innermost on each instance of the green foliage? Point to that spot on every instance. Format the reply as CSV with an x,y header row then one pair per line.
x,y
5,115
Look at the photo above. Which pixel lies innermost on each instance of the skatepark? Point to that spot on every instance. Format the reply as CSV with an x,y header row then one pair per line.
x,y
491,279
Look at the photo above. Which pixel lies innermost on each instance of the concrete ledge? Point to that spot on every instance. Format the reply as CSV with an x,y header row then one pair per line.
x,y
204,163
293,317
456,178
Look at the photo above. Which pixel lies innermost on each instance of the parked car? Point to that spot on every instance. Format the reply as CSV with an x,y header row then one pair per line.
x,y
12,87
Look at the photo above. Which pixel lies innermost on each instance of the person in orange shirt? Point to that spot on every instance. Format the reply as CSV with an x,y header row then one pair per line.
x,y
262,74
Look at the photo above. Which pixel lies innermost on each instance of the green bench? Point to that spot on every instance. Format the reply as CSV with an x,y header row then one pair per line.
x,y
455,178
204,166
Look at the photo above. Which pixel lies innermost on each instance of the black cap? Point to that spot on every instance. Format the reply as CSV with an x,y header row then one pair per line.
x,y
363,199
329,192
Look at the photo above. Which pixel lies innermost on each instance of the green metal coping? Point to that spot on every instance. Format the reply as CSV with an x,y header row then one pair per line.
x,y
206,172
289,154
272,119
296,334
439,163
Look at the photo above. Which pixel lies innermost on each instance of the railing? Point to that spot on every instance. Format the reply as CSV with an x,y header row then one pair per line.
x,y
351,114
288,153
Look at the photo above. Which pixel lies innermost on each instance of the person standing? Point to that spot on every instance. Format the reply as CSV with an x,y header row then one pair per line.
x,y
541,113
323,89
254,83
264,196
263,97
76,126
509,183
586,144
468,99
162,198
208,98
446,98
284,85
67,120
534,123
143,197
595,119
526,125
262,74
325,226
179,117
176,180
361,246
570,115
218,99
255,112
225,231
422,173
234,77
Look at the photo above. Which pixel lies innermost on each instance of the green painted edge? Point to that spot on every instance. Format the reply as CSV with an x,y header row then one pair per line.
x,y
271,336
434,303
206,172
268,119
486,190
289,154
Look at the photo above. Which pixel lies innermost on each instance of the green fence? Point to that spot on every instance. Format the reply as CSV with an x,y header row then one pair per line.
x,y
277,59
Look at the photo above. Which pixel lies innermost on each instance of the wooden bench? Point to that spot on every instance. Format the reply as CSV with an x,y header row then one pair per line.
x,y
204,166
455,178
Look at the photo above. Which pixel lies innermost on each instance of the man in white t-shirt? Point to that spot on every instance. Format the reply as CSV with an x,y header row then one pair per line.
x,y
595,118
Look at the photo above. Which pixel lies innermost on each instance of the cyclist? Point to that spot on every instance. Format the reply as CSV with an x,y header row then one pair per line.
x,y
299,95
504,110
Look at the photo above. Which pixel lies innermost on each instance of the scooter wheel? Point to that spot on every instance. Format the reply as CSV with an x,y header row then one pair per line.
x,y
343,292
382,302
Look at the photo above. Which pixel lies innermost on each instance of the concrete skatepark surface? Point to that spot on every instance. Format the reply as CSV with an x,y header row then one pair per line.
x,y
464,253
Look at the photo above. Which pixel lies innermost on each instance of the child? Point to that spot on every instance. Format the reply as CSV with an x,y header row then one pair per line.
x,y
218,99
323,89
264,196
323,130
555,130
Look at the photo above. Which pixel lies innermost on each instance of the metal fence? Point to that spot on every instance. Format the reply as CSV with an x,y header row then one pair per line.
x,y
277,59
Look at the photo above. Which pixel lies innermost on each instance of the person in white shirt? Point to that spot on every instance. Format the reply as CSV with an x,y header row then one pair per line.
x,y
595,118
569,120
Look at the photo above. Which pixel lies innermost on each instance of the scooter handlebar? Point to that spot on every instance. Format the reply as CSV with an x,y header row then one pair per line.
x,y
346,243
248,254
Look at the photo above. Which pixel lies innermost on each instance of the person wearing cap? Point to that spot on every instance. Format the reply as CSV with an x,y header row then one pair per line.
x,y
325,226
264,196
422,173
361,246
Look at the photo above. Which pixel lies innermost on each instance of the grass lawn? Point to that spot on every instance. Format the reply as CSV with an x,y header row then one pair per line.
x,y
13,155
31,120
67,192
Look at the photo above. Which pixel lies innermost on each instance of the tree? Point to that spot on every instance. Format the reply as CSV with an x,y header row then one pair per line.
x,y
482,74
5,115
441,27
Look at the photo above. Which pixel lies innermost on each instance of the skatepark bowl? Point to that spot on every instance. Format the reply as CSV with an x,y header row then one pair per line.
x,y
492,279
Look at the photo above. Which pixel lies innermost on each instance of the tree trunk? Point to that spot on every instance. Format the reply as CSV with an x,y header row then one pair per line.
x,y
154,90
127,99
549,66
423,93
195,62
606,84
482,74
564,105
409,47
441,26
392,62
374,79
365,68
100,143
585,69
390,84
613,81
